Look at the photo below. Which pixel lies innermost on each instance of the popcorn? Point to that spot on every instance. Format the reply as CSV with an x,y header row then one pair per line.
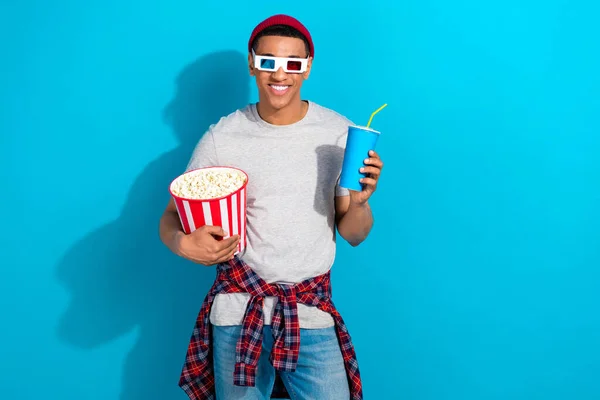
x,y
208,183
214,196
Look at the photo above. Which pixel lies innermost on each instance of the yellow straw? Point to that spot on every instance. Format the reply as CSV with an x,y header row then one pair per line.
x,y
376,111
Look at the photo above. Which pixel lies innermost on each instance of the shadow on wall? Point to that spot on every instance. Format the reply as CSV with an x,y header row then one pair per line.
x,y
121,277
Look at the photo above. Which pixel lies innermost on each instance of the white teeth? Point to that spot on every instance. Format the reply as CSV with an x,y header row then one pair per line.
x,y
280,88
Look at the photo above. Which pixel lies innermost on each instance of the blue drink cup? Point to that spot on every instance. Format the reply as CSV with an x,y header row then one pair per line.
x,y
359,142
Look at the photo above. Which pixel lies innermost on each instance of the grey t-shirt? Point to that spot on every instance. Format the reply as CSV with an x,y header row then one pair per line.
x,y
293,177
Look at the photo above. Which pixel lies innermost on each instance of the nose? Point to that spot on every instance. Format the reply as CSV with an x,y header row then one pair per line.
x,y
280,74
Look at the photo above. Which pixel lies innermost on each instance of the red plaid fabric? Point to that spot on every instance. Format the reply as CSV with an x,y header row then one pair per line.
x,y
197,376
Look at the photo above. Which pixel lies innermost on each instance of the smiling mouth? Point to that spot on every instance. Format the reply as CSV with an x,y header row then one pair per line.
x,y
279,89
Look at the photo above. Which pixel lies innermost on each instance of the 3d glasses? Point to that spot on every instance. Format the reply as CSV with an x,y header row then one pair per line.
x,y
272,64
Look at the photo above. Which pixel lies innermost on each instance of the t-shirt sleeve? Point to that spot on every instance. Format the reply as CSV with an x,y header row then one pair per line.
x,y
340,191
205,153
341,141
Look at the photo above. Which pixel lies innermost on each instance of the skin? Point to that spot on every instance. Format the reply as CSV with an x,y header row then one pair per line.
x,y
275,108
353,214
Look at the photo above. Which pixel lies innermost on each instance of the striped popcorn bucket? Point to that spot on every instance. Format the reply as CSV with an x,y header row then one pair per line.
x,y
227,211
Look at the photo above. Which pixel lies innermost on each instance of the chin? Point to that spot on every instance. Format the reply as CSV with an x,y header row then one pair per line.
x,y
278,102
279,105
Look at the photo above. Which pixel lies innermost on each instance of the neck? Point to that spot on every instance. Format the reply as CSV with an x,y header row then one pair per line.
x,y
288,115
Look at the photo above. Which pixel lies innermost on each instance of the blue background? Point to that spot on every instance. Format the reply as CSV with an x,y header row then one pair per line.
x,y
480,279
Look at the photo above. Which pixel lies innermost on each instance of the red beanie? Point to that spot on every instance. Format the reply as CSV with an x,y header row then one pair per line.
x,y
281,19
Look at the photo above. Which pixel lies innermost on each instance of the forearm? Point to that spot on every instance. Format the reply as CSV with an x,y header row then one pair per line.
x,y
170,231
356,224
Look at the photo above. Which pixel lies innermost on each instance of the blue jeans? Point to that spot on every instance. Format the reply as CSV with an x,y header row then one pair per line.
x,y
320,373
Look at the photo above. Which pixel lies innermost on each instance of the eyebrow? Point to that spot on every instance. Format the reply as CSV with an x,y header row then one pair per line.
x,y
272,55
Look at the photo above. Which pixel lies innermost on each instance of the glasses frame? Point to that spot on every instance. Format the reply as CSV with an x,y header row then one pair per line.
x,y
280,62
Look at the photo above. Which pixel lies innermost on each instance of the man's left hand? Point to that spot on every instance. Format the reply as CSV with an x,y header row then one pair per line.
x,y
373,168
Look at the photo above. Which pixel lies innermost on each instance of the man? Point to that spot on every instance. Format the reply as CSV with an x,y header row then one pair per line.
x,y
269,317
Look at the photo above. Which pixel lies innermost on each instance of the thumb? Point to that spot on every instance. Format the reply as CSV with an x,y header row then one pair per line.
x,y
215,230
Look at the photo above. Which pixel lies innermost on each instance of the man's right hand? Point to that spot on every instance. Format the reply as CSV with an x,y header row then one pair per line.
x,y
202,247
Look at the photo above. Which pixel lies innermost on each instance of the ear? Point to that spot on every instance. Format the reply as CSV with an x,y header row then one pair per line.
x,y
250,64
308,68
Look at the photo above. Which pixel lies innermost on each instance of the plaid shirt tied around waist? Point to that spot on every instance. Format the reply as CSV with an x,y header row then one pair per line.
x,y
197,376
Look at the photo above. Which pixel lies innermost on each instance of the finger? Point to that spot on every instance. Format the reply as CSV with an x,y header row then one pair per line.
x,y
224,255
225,245
375,162
228,256
214,230
234,244
222,258
370,182
231,254
373,153
372,171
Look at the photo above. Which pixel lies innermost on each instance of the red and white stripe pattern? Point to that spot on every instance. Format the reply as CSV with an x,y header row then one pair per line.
x,y
228,213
